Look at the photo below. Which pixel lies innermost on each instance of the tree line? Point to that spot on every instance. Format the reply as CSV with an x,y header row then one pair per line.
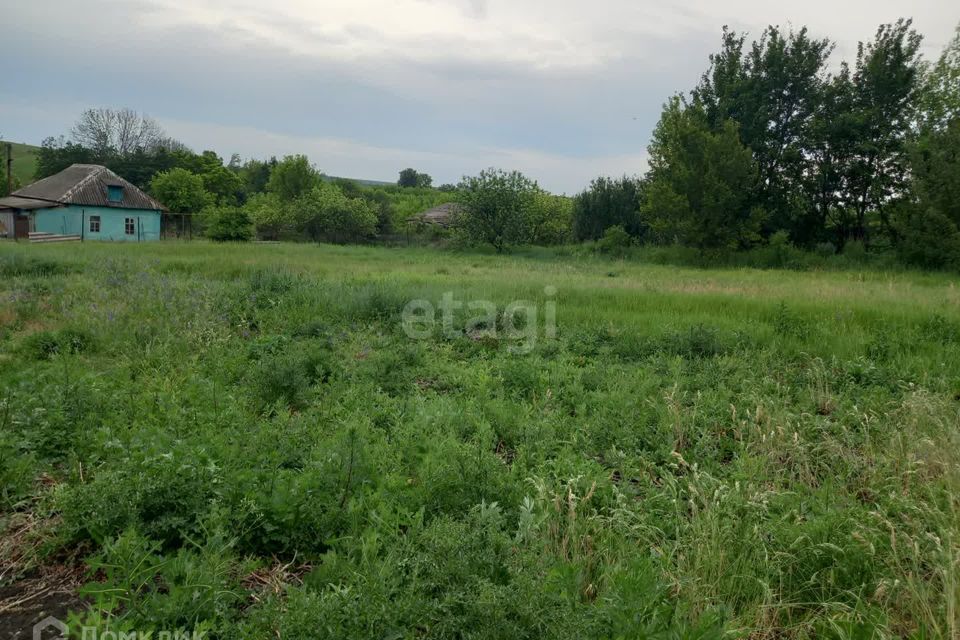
x,y
773,146
237,199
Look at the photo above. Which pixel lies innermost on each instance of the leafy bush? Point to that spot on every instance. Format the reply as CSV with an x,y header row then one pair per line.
x,y
287,377
166,495
227,224
698,341
781,250
44,345
17,470
825,249
325,212
615,241
140,590
928,239
270,215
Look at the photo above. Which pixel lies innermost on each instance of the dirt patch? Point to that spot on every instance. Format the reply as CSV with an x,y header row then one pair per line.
x,y
33,587
50,592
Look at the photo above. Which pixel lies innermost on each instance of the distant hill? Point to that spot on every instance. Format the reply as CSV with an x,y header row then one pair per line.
x,y
24,160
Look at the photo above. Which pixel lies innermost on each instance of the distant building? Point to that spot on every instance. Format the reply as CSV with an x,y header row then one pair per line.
x,y
84,200
442,215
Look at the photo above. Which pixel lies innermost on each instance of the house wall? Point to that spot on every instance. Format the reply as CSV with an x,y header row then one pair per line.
x,y
67,220
6,224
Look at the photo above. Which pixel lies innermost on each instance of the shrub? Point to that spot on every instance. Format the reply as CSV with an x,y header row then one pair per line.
x,y
270,215
140,588
164,494
327,213
228,224
855,251
928,239
43,345
287,377
615,241
698,341
825,249
781,250
17,470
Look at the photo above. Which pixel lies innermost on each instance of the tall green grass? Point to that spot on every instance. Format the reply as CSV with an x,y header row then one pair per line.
x,y
242,440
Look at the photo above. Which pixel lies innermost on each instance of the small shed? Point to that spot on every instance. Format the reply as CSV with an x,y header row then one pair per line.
x,y
84,200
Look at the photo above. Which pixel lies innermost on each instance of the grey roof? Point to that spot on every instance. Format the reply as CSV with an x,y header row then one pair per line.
x,y
441,214
86,184
26,204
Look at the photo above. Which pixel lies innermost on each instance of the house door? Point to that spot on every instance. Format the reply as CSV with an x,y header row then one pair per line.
x,y
21,226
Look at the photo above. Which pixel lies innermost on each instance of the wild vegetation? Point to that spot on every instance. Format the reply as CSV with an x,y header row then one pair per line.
x,y
242,440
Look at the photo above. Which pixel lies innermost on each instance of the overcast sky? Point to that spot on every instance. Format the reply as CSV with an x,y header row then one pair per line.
x,y
563,90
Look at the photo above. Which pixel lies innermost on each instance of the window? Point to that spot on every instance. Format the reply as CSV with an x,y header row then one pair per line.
x,y
115,193
94,224
129,226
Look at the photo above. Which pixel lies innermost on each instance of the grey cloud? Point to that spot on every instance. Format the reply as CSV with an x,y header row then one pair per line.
x,y
439,97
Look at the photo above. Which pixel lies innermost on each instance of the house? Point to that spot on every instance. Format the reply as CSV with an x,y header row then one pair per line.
x,y
84,200
442,215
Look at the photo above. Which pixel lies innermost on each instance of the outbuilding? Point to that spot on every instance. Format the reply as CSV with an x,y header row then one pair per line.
x,y
84,200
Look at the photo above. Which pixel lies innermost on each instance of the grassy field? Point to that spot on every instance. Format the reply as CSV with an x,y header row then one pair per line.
x,y
24,161
246,441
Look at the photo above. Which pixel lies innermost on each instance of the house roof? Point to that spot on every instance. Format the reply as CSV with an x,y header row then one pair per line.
x,y
86,184
442,214
26,204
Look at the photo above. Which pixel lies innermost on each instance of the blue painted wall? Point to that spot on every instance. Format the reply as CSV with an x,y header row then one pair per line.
x,y
67,220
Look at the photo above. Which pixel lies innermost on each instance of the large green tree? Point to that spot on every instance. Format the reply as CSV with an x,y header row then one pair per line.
x,y
292,177
549,219
496,207
928,218
772,91
608,202
56,154
885,84
940,91
701,182
325,212
180,191
410,177
271,216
